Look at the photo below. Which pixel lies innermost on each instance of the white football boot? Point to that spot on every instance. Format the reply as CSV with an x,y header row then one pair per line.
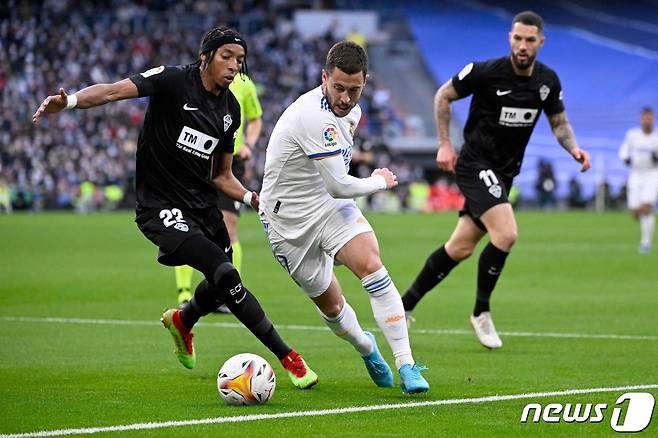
x,y
485,330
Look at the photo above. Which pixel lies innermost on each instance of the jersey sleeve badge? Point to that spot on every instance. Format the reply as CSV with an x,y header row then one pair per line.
x,y
153,71
465,71
228,120
330,136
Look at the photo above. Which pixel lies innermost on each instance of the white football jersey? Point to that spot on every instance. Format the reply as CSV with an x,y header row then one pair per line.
x,y
294,196
639,147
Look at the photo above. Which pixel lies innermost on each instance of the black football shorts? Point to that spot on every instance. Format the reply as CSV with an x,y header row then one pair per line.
x,y
483,188
169,227
225,203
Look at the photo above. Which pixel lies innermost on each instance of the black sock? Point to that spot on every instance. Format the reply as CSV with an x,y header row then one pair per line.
x,y
437,267
200,305
222,285
242,304
492,261
248,310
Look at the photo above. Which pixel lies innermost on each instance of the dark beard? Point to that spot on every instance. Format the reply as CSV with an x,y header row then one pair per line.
x,y
523,65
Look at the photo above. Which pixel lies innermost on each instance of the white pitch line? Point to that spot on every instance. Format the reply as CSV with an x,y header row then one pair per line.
x,y
233,325
316,413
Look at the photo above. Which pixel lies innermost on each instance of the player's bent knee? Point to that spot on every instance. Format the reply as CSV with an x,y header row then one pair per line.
x,y
371,265
331,310
459,252
505,241
466,251
225,272
227,284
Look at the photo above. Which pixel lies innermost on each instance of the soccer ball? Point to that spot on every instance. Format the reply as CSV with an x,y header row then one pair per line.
x,y
246,379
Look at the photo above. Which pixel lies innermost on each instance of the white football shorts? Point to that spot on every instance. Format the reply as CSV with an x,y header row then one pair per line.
x,y
642,188
310,259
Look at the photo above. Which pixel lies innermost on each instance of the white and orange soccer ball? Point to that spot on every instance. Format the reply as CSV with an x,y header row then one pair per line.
x,y
246,379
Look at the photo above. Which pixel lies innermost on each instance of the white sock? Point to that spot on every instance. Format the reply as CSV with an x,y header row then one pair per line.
x,y
346,326
387,307
647,226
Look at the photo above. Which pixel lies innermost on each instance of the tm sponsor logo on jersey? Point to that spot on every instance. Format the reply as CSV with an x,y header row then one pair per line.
x,y
517,117
502,93
196,142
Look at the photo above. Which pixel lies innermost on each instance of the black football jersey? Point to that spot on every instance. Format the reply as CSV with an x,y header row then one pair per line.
x,y
186,128
504,110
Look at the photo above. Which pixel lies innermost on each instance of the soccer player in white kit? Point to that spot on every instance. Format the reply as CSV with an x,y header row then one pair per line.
x,y
640,152
312,221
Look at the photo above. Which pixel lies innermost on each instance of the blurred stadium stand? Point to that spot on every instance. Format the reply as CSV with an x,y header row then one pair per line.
x,y
606,55
608,71
52,44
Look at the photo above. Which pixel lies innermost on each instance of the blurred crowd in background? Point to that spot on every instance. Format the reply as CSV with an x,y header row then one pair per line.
x,y
85,159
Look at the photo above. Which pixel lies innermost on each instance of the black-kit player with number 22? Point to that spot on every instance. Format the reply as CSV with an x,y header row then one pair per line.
x,y
509,94
184,158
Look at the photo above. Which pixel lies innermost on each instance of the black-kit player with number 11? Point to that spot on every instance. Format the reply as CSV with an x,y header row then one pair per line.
x,y
184,157
509,94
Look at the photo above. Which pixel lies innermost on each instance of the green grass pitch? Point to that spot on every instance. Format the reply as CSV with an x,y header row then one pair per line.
x,y
570,273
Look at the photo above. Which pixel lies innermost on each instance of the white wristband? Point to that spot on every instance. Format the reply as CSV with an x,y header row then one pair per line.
x,y
71,101
246,199
382,181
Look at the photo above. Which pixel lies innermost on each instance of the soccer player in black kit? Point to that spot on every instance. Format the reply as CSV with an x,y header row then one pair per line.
x,y
509,94
184,157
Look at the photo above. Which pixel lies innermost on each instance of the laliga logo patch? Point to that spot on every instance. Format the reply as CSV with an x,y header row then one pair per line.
x,y
330,134
495,191
227,122
543,92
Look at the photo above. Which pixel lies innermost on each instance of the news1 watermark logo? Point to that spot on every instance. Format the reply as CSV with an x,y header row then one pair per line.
x,y
631,412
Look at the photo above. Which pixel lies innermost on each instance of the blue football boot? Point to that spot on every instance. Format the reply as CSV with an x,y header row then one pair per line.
x,y
412,381
379,371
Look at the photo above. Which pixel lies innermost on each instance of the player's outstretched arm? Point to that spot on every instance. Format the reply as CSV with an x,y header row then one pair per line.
x,y
565,136
94,95
340,184
228,184
446,157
